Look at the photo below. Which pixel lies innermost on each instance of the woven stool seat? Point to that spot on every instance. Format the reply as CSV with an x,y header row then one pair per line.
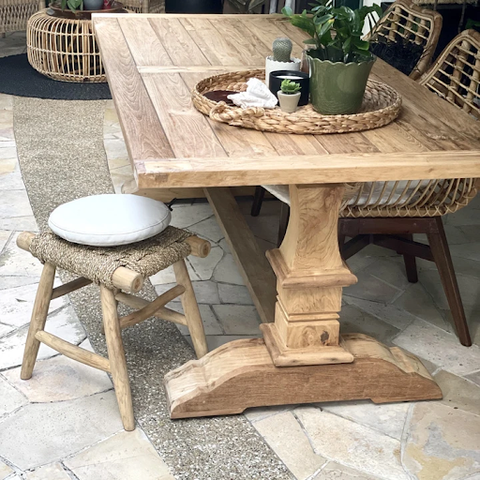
x,y
98,264
119,271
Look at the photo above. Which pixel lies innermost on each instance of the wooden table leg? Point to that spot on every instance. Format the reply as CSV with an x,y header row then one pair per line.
x,y
303,358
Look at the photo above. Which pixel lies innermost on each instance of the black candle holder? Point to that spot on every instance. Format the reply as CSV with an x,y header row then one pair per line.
x,y
278,76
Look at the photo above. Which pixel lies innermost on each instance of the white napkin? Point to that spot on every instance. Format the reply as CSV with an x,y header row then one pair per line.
x,y
257,95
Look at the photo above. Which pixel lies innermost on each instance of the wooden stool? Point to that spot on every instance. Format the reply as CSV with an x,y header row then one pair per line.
x,y
125,281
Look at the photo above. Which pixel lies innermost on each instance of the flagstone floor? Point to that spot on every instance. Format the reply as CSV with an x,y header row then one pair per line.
x,y
356,440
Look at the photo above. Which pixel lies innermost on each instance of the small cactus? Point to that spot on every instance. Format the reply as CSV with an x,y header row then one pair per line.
x,y
282,50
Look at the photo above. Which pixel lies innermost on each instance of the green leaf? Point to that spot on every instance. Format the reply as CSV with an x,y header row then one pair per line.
x,y
287,11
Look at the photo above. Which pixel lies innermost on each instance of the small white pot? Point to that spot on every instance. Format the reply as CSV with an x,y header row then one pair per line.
x,y
288,103
271,66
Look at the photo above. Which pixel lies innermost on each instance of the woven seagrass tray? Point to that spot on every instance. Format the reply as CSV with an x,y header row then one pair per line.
x,y
381,105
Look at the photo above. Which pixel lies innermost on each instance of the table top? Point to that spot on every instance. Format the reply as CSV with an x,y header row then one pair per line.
x,y
153,62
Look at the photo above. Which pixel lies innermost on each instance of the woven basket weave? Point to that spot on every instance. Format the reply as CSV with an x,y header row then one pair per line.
x,y
381,105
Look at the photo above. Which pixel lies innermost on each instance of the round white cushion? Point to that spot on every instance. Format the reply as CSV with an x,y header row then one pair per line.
x,y
109,220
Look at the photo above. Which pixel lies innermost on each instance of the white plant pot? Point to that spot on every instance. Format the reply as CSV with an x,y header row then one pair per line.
x,y
271,66
288,103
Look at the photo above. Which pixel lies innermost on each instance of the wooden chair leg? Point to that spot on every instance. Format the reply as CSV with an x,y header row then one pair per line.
x,y
37,322
410,263
257,201
116,356
443,260
190,308
282,226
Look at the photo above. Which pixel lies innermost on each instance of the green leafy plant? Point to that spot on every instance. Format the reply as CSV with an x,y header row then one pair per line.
x,y
336,33
73,5
289,88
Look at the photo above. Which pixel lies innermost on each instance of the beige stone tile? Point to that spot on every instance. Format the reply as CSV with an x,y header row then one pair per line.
x,y
110,113
14,281
458,392
63,323
184,216
5,470
443,443
5,329
264,226
7,165
115,148
11,181
335,471
387,418
16,304
390,270
120,176
227,271
42,433
10,398
8,152
418,302
474,377
208,229
15,203
287,439
204,267
167,276
19,223
205,291
238,319
53,471
59,378
120,162
259,413
351,444
385,312
6,102
235,294
354,320
469,288
372,288
17,262
126,455
210,322
4,236
439,347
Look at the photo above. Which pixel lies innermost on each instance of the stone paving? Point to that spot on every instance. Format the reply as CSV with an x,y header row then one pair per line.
x,y
67,412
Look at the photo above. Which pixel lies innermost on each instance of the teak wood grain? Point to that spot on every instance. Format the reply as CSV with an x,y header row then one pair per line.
x,y
153,62
303,357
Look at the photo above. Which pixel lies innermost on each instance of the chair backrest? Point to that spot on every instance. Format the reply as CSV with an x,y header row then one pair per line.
x,y
405,23
455,76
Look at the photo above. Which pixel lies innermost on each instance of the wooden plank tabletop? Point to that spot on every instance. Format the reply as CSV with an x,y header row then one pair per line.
x,y
153,62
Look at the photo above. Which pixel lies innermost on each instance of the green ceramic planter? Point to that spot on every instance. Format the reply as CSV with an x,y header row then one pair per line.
x,y
338,88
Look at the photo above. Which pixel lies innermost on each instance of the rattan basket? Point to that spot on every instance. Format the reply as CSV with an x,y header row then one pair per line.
x,y
381,105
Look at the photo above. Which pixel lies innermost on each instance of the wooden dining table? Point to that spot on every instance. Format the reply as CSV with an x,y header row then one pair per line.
x,y
152,63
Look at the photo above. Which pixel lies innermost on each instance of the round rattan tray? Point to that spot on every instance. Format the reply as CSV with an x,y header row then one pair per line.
x,y
381,105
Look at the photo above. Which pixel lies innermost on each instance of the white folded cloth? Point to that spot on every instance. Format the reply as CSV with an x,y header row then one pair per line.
x,y
257,95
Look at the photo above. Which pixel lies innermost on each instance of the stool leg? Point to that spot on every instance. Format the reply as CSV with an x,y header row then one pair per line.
x,y
37,322
190,307
116,356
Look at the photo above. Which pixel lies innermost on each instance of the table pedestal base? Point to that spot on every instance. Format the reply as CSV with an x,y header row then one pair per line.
x,y
241,375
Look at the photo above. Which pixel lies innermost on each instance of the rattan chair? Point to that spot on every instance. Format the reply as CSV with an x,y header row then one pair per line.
x,y
14,14
405,23
389,213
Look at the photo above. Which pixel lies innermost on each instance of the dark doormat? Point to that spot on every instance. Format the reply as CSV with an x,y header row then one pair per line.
x,y
18,78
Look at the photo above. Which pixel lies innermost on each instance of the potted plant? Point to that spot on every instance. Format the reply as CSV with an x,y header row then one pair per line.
x,y
289,95
281,58
340,60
